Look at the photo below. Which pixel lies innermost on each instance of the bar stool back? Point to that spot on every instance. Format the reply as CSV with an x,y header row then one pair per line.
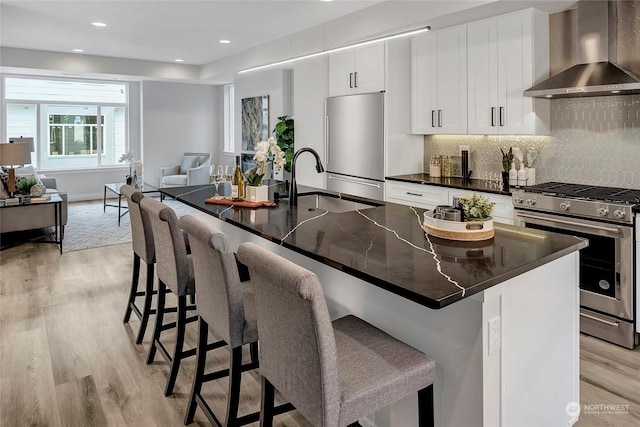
x,y
174,271
333,372
226,308
143,249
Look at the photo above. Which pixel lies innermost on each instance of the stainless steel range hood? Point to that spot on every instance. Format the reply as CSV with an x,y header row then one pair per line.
x,y
595,74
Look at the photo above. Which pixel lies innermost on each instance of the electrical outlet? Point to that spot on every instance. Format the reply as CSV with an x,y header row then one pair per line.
x,y
462,148
494,335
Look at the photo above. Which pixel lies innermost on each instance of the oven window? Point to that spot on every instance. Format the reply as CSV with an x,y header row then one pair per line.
x,y
597,262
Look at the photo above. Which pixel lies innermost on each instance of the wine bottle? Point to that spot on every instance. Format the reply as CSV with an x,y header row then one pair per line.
x,y
237,183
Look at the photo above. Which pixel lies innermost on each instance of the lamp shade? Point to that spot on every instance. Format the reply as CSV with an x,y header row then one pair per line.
x,y
18,153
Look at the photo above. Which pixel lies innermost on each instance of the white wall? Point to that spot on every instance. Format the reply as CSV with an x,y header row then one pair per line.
x,y
267,82
176,117
310,88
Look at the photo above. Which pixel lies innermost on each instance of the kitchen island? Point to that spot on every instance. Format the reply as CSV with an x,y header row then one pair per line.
x,y
500,317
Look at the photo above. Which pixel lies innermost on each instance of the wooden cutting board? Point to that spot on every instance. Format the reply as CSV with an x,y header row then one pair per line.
x,y
242,204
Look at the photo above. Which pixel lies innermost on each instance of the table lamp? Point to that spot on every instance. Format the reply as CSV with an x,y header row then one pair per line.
x,y
17,153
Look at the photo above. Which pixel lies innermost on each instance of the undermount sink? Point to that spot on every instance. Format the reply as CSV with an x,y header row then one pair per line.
x,y
333,203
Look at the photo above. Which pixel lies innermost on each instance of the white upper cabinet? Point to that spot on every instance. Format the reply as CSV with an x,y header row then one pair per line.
x,y
507,55
439,82
357,70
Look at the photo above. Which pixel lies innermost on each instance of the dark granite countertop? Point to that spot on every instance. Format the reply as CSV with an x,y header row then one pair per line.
x,y
453,182
387,247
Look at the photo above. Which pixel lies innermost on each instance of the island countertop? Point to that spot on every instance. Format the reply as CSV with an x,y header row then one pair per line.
x,y
387,247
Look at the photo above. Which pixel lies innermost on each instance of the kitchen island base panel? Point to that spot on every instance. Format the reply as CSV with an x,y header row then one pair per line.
x,y
529,377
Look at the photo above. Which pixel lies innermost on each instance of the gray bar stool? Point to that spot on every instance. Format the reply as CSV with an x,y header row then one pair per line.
x,y
226,308
143,249
333,372
174,271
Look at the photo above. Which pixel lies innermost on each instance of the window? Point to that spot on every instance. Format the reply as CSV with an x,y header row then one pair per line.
x,y
75,124
229,143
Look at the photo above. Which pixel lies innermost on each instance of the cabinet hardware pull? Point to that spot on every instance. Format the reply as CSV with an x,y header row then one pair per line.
x,y
351,80
493,116
433,118
439,118
501,116
414,194
355,79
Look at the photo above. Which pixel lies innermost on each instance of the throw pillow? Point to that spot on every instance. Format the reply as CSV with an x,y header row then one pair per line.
x,y
4,194
188,162
28,171
201,160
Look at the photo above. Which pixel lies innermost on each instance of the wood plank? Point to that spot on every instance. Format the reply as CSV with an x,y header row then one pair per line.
x,y
79,403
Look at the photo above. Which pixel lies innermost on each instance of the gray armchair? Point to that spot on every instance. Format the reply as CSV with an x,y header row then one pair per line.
x,y
192,170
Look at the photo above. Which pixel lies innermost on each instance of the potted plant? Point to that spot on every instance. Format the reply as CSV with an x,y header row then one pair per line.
x,y
283,134
507,161
25,184
476,208
256,192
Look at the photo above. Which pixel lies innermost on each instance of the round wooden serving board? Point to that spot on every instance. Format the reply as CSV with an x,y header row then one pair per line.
x,y
467,231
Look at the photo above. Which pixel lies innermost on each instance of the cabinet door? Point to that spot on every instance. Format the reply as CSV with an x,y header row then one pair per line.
x,y
515,73
452,80
369,68
424,86
341,73
482,45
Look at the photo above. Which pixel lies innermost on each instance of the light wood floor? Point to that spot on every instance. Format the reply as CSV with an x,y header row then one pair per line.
x,y
66,358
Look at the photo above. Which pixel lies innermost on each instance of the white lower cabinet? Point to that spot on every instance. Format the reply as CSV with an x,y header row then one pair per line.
x,y
427,196
418,195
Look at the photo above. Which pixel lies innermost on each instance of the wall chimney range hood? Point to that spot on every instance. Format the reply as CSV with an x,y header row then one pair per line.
x,y
595,74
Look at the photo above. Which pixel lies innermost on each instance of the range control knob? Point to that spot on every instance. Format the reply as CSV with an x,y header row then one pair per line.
x,y
565,206
603,211
619,213
531,202
518,199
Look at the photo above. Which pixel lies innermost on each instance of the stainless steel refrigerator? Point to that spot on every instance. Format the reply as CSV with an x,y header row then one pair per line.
x,y
355,144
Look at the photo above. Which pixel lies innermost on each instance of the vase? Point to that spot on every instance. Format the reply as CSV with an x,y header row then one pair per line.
x,y
505,181
257,193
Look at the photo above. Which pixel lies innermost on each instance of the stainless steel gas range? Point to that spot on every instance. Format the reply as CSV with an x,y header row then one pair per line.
x,y
604,215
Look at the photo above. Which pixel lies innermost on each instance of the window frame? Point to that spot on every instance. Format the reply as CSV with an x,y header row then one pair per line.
x,y
99,106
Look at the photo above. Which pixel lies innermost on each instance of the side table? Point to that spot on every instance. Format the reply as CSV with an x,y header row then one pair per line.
x,y
114,187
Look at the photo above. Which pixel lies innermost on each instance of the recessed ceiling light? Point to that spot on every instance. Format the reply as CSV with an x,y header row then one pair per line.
x,y
223,41
615,91
78,50
548,96
179,60
99,24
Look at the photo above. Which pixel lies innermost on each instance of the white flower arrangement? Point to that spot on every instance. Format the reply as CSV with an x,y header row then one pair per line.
x,y
264,151
128,157
476,207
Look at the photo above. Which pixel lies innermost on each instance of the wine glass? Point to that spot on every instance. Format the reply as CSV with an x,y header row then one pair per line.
x,y
228,173
218,173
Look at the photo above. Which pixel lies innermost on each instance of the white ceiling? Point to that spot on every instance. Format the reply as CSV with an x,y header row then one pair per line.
x,y
161,30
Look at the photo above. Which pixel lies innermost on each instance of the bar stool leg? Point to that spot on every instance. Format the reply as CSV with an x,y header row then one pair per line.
x,y
253,349
159,319
177,349
425,407
134,287
266,404
148,297
201,359
235,376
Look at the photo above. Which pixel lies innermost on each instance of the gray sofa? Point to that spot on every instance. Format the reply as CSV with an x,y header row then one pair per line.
x,y
28,217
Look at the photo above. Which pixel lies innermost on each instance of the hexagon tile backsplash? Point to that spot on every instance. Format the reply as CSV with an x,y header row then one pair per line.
x,y
593,141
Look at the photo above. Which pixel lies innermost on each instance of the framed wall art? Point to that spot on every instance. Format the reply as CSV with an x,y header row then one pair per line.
x,y
255,121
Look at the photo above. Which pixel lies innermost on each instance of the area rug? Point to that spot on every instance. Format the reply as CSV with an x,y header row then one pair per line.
x,y
89,227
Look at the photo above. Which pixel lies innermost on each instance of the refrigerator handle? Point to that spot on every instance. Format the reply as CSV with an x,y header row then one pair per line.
x,y
327,139
354,181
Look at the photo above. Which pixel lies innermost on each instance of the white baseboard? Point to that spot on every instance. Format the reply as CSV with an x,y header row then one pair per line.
x,y
90,196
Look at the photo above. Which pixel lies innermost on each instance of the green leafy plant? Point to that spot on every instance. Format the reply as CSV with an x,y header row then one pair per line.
x,y
476,207
25,184
283,134
507,159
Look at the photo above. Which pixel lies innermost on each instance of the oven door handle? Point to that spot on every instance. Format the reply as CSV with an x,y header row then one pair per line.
x,y
615,230
606,322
